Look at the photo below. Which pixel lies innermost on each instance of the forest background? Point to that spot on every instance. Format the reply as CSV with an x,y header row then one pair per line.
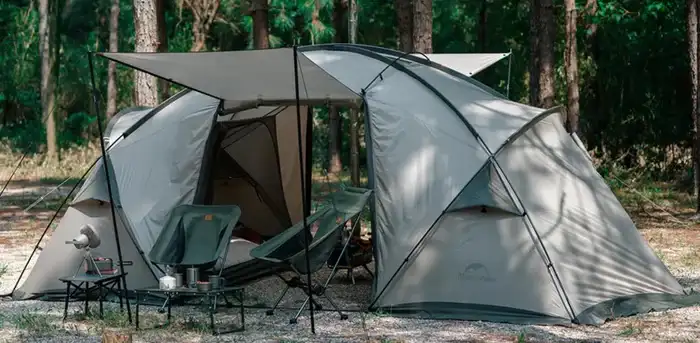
x,y
625,70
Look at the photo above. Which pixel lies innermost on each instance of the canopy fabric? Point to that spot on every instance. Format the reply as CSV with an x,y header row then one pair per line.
x,y
467,64
244,79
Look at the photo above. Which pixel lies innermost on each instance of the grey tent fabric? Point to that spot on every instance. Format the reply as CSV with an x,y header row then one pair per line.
x,y
156,168
122,121
467,64
58,259
95,185
244,79
571,246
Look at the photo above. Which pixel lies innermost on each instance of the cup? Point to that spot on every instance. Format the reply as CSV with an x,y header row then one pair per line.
x,y
192,277
215,281
178,280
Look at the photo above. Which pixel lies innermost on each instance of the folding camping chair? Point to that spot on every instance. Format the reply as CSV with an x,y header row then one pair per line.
x,y
195,236
284,249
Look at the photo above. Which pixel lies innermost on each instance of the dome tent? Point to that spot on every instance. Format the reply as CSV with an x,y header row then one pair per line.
x,y
484,208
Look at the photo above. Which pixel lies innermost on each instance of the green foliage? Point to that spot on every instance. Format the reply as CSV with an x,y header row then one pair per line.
x,y
634,79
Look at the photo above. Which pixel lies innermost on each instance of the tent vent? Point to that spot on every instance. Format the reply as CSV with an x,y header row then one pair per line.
x,y
486,191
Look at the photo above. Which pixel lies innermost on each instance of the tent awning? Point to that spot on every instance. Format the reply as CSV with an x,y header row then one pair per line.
x,y
244,79
466,64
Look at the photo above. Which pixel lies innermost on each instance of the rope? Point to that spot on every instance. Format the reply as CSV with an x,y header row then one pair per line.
x,y
13,173
45,195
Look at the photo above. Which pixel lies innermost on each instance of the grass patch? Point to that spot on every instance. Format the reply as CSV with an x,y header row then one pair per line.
x,y
34,323
691,259
36,168
111,318
629,331
193,325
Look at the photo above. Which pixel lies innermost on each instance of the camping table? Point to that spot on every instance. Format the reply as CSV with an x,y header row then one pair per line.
x,y
81,282
193,292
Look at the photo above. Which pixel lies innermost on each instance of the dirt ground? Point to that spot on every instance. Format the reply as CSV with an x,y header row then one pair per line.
x,y
666,229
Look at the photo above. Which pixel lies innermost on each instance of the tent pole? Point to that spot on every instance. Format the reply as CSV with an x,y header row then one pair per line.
x,y
510,63
303,187
105,160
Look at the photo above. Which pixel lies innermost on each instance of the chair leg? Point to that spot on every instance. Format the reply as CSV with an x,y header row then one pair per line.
x,y
228,303
165,303
303,306
272,311
368,271
343,316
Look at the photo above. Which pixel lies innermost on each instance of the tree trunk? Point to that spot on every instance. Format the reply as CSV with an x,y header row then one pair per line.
x,y
112,69
204,12
423,26
534,69
352,21
571,66
482,25
594,48
335,165
47,51
146,29
546,58
404,19
261,24
692,29
163,85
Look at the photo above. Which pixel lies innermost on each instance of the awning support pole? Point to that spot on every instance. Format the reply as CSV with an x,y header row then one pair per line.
x,y
106,163
510,63
303,188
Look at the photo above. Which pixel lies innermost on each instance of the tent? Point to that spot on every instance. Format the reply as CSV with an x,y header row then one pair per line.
x,y
484,208
179,153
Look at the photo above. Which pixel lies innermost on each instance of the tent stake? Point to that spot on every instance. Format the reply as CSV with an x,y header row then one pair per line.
x,y
105,160
303,188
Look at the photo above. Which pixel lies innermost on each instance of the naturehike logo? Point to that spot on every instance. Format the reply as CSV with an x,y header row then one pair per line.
x,y
476,272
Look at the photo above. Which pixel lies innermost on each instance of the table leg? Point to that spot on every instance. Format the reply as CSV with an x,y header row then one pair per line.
x,y
87,294
65,309
138,301
169,300
101,296
211,314
124,294
242,293
121,301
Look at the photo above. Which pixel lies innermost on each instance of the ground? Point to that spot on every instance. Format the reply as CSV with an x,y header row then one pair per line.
x,y
666,226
